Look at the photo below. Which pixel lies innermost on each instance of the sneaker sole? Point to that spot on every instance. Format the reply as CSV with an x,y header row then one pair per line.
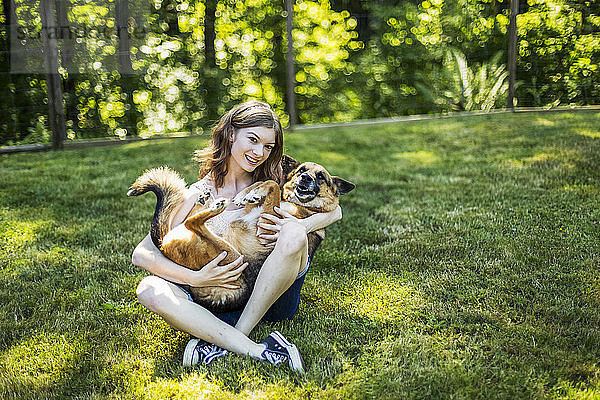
x,y
188,353
296,362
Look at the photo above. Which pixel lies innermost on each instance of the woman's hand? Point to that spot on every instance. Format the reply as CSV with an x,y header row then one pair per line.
x,y
269,222
213,274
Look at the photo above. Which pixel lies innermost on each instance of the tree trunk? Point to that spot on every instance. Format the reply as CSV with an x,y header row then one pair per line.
x,y
512,54
209,32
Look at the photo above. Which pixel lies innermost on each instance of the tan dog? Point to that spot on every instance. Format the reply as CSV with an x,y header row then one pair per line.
x,y
308,189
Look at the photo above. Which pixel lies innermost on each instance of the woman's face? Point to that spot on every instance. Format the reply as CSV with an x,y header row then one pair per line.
x,y
251,147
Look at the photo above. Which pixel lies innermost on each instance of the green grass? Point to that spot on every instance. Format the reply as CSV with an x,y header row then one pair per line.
x,y
465,266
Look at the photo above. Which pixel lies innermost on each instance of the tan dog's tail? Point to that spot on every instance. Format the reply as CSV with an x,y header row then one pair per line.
x,y
169,189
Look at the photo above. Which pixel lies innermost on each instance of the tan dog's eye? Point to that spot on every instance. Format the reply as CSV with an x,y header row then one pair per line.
x,y
302,170
320,176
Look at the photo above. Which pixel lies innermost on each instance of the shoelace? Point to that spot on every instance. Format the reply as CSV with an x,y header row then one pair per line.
x,y
274,358
211,351
206,349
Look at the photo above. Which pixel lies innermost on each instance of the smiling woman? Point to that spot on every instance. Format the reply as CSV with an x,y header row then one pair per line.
x,y
249,121
246,147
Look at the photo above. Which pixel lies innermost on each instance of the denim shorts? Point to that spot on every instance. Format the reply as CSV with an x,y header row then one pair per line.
x,y
284,307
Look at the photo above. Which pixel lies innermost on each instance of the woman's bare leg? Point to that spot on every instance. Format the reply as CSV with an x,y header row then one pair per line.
x,y
277,274
172,304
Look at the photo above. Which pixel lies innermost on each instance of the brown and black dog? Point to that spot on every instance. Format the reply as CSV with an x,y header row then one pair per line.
x,y
308,189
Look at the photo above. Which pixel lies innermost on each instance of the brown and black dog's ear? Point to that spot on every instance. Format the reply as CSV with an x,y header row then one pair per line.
x,y
343,186
288,164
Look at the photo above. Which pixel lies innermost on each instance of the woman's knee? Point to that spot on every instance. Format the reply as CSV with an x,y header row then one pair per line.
x,y
152,293
292,239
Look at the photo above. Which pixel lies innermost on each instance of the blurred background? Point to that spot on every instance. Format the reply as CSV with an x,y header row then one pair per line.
x,y
117,68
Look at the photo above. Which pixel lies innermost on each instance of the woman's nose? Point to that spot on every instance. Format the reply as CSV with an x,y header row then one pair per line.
x,y
258,150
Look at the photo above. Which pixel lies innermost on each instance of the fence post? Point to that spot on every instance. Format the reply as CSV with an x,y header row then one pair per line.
x,y
56,113
291,73
512,54
128,79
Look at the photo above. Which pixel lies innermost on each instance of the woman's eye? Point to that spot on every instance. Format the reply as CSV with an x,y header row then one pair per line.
x,y
252,139
269,147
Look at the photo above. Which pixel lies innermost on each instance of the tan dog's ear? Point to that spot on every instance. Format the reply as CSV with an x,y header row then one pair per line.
x,y
288,164
343,186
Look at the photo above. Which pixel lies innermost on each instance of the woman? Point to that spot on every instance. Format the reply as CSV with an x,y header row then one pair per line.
x,y
247,146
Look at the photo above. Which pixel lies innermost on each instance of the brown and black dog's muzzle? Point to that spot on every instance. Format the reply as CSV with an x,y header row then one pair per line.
x,y
306,187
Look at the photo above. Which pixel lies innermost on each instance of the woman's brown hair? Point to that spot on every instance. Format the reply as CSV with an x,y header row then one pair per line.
x,y
215,157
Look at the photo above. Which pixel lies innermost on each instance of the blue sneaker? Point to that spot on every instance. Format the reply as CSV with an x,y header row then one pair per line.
x,y
200,351
279,350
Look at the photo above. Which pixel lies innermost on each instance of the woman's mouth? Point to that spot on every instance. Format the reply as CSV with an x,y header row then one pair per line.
x,y
252,161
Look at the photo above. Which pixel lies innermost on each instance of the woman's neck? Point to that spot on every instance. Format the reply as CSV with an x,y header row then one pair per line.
x,y
237,182
236,179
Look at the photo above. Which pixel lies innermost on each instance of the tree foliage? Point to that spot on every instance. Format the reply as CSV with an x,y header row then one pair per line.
x,y
195,59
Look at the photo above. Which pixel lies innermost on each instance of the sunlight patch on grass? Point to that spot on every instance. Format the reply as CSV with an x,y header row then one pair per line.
x,y
513,163
16,234
192,386
420,157
199,386
541,157
42,360
562,158
569,390
382,301
441,179
53,256
125,369
544,121
332,156
595,134
582,189
371,294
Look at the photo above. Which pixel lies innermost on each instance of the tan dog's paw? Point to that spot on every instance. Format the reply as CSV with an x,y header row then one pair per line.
x,y
219,205
255,196
204,193
252,197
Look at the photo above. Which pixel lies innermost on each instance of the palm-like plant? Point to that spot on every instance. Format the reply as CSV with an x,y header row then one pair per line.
x,y
474,88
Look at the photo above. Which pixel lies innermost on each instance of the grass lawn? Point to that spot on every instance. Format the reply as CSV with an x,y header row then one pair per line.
x,y
465,266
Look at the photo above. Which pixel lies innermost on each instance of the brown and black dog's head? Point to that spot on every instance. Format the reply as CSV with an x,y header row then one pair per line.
x,y
310,185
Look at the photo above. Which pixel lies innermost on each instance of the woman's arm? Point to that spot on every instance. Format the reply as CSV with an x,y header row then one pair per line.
x,y
313,223
319,220
147,256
